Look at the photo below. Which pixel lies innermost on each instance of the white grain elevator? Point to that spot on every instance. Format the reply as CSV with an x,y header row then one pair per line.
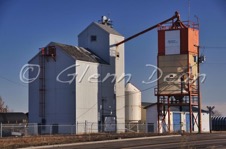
x,y
54,102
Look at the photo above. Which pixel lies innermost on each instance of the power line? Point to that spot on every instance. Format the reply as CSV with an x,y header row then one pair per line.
x,y
11,81
213,47
215,63
86,111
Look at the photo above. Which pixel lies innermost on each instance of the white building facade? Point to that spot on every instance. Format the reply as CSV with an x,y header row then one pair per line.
x,y
179,120
79,85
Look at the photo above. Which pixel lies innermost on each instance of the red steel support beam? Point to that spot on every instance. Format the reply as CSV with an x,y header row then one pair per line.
x,y
177,15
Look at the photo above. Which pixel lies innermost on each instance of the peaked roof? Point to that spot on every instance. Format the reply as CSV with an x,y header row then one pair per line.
x,y
107,28
79,53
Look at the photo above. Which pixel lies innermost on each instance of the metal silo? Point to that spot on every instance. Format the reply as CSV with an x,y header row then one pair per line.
x,y
132,104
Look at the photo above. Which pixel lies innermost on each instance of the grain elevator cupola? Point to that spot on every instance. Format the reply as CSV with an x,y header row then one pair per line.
x,y
99,36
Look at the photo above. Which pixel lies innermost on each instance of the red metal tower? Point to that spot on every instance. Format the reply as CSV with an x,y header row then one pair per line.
x,y
178,58
178,83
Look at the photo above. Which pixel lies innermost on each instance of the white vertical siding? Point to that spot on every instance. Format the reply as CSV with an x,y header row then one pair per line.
x,y
119,61
205,122
86,93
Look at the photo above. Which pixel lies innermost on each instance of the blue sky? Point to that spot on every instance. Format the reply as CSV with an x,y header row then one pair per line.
x,y
27,25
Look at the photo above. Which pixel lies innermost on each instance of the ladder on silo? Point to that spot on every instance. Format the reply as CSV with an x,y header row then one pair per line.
x,y
42,85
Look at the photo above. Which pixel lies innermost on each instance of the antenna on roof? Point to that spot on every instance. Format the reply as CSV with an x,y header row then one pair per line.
x,y
189,7
105,21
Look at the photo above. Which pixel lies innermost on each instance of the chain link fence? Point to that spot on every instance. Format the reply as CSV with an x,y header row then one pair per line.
x,y
176,128
7,130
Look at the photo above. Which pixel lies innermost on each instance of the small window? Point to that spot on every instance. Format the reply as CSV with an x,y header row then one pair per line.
x,y
93,38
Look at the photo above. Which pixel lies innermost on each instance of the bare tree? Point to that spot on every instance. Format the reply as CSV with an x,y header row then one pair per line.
x,y
3,108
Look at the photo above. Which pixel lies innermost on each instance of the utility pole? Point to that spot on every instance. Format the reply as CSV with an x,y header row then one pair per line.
x,y
210,108
199,97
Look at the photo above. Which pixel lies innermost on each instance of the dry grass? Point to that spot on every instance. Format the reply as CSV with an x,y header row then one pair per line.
x,y
16,142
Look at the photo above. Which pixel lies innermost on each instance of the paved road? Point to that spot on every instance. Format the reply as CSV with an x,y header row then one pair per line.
x,y
207,141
